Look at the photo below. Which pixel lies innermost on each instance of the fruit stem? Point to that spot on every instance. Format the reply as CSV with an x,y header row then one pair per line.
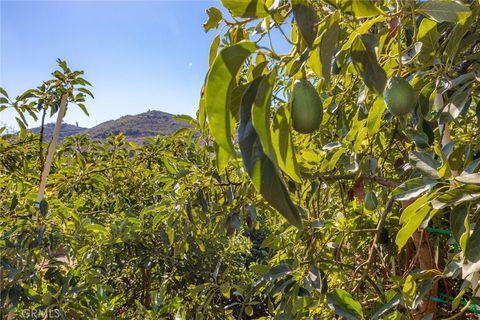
x,y
414,23
399,38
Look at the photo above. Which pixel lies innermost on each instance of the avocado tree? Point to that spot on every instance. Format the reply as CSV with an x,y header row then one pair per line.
x,y
363,135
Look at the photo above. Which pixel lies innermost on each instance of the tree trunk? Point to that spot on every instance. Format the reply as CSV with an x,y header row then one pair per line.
x,y
426,261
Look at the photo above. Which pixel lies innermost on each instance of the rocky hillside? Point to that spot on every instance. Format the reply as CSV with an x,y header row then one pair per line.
x,y
134,127
65,131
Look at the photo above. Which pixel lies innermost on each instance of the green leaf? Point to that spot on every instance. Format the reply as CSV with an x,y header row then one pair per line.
x,y
472,253
457,102
358,8
86,91
261,113
83,108
318,279
361,30
412,209
96,228
213,49
412,225
428,36
249,310
321,57
374,119
419,137
344,304
456,35
365,9
222,156
471,167
409,290
424,163
181,314
276,272
219,84
225,290
472,178
214,18
3,92
445,10
457,221
21,124
283,145
306,19
365,63
260,168
43,206
393,302
246,8
413,188
13,203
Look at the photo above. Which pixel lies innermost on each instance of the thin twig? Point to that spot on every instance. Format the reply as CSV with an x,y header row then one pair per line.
x,y
378,179
371,256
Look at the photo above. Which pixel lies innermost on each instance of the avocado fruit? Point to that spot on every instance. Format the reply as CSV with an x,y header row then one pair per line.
x,y
307,110
370,202
399,96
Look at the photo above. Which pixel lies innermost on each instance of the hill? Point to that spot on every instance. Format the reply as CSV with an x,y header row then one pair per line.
x,y
134,127
65,131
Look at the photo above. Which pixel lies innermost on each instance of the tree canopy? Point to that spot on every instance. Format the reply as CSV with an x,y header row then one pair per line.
x,y
338,179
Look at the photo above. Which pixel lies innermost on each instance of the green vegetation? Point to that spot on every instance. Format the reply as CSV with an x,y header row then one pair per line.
x,y
237,216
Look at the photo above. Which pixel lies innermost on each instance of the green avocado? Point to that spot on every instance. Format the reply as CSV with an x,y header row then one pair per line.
x,y
370,201
399,96
307,111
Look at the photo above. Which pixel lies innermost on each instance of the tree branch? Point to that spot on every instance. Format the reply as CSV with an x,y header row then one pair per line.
x,y
378,179
371,256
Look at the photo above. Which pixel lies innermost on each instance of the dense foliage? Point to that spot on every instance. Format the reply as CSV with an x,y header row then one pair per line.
x,y
373,216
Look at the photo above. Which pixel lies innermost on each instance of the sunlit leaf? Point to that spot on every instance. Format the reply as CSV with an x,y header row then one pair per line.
x,y
424,163
261,113
472,253
428,36
306,19
409,289
457,221
472,178
219,84
344,304
214,18
260,168
246,8
413,188
374,119
412,225
445,10
283,145
365,62
321,57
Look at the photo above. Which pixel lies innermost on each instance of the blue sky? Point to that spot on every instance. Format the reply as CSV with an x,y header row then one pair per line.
x,y
138,55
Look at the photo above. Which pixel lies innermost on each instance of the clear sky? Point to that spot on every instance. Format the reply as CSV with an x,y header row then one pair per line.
x,y
138,55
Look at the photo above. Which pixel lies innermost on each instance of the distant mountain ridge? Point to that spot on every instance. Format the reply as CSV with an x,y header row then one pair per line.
x,y
134,127
65,130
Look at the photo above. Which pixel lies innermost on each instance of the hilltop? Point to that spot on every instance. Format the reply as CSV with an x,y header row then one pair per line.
x,y
65,131
134,127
